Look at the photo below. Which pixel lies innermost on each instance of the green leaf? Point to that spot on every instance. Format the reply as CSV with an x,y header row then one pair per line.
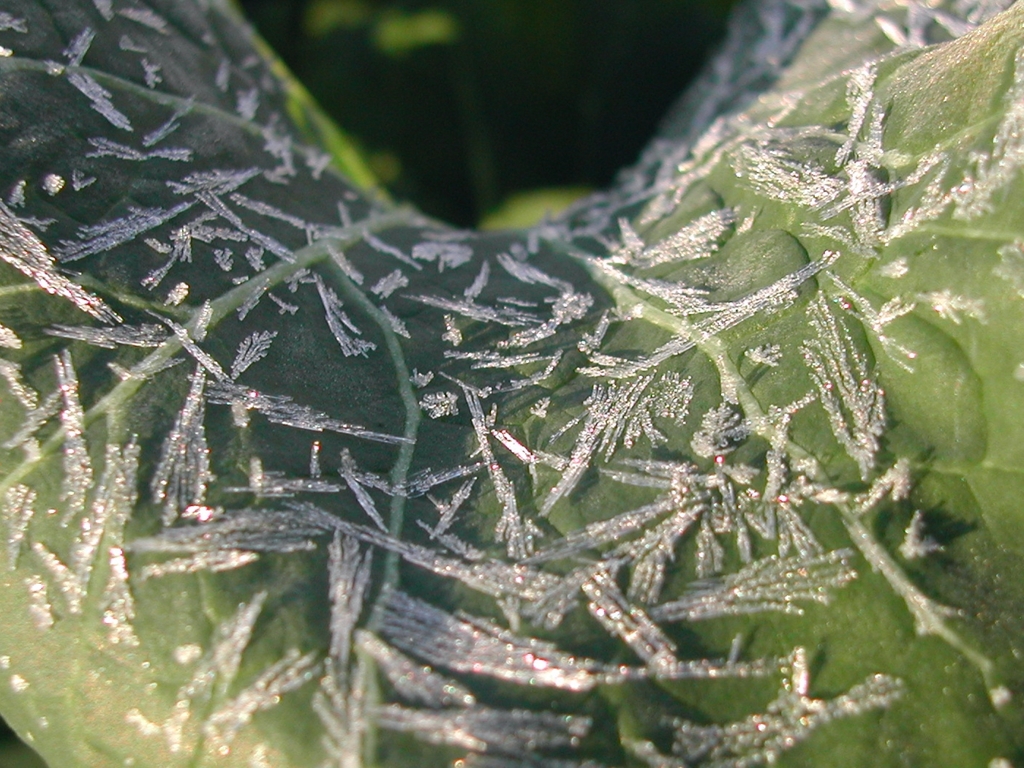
x,y
720,467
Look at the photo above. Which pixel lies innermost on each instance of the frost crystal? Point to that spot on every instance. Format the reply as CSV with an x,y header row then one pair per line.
x,y
183,472
52,184
146,335
114,500
440,404
100,98
854,402
280,409
1011,266
949,306
770,584
447,255
973,197
697,240
24,251
721,430
472,645
77,465
106,148
390,283
18,510
916,543
252,349
621,411
773,171
762,738
12,22
483,729
547,465
340,324
39,608
413,681
511,527
292,671
766,354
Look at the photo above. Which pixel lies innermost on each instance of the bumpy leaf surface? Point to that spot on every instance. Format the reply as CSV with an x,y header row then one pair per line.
x,y
720,468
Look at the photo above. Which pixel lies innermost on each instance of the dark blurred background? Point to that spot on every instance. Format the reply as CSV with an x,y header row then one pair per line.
x,y
459,104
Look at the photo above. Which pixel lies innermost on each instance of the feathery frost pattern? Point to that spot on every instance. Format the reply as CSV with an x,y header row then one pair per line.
x,y
278,447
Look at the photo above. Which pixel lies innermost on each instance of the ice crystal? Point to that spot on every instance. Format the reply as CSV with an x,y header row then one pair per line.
x,y
629,623
973,197
24,394
553,386
766,354
252,349
1011,266
390,283
848,392
448,510
146,335
100,98
36,417
52,184
292,671
24,251
483,729
950,306
476,646
762,738
344,330
511,528
18,511
469,308
80,181
769,584
768,300
698,239
440,404
145,17
721,430
183,472
77,465
877,320
621,411
349,473
212,677
916,542
775,172
12,22
39,608
280,409
447,255
119,610
412,681
66,580
241,530
114,499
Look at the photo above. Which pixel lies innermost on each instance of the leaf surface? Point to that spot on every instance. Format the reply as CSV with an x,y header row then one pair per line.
x,y
717,468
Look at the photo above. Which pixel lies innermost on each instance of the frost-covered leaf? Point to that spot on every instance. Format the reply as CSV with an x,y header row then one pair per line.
x,y
720,467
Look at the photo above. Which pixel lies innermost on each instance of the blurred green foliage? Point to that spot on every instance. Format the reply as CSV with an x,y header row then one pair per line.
x,y
460,104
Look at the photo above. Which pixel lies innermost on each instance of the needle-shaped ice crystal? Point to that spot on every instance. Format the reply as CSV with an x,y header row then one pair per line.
x,y
23,250
847,389
769,584
183,472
